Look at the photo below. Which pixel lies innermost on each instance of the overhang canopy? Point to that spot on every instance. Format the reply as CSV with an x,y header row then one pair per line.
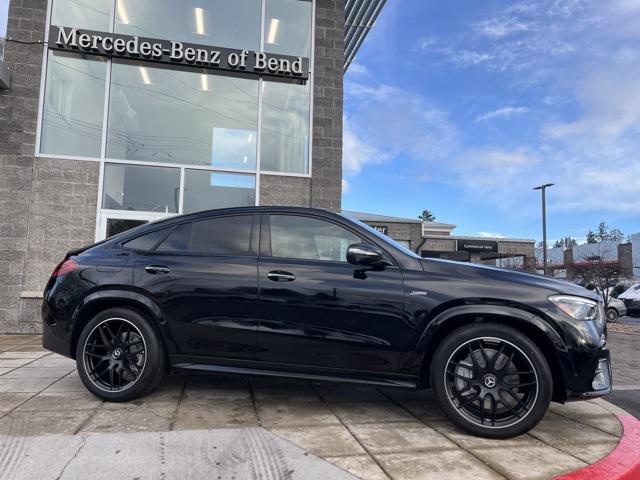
x,y
360,16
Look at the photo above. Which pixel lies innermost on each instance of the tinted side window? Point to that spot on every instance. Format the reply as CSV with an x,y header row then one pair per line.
x,y
148,241
222,235
309,238
178,240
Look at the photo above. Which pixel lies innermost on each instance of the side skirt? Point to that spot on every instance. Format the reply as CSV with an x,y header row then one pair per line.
x,y
399,382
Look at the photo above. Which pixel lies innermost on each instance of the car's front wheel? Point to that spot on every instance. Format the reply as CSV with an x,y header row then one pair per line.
x,y
612,315
491,380
120,356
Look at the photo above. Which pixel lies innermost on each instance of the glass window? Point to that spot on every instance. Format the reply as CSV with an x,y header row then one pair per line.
x,y
139,188
73,105
119,225
223,23
287,27
89,14
165,115
285,127
148,241
222,235
205,190
178,240
309,238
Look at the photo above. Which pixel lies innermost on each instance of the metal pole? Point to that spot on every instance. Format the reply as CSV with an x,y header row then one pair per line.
x,y
543,188
544,231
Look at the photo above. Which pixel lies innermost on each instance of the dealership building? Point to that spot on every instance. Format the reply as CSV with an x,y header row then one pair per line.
x,y
114,113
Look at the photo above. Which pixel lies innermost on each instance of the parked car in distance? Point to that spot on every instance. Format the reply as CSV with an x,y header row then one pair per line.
x,y
631,299
615,309
311,294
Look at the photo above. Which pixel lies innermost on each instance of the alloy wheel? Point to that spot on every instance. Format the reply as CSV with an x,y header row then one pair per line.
x,y
114,355
612,315
491,382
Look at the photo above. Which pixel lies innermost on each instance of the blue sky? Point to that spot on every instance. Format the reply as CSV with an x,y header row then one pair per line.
x,y
461,107
4,9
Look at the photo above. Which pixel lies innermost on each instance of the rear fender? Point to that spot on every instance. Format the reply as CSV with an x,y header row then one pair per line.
x,y
103,299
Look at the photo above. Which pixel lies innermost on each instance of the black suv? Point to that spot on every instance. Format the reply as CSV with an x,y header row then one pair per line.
x,y
306,293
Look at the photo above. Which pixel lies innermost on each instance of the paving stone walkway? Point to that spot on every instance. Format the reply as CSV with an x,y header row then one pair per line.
x,y
373,433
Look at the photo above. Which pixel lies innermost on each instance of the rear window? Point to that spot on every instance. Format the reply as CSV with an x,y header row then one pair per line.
x,y
222,235
148,241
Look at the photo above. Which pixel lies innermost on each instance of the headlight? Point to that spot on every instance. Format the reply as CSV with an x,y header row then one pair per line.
x,y
577,307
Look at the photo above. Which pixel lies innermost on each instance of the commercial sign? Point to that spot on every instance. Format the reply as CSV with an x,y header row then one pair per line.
x,y
177,53
477,246
380,228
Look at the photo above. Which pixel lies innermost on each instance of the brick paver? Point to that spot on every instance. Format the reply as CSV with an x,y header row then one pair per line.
x,y
372,432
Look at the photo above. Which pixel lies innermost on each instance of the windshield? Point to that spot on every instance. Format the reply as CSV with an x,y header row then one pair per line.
x,y
384,237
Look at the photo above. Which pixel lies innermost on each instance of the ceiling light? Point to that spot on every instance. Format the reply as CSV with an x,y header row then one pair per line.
x,y
122,12
199,14
204,82
273,30
145,76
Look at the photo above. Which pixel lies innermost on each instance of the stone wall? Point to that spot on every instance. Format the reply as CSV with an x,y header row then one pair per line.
x,y
326,182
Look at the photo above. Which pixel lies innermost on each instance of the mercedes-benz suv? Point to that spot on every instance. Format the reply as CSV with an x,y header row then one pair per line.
x,y
307,293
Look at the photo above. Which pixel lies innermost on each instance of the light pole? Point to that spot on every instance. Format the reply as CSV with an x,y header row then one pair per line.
x,y
543,188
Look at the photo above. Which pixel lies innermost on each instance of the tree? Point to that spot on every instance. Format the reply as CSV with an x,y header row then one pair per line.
x,y
427,216
605,235
599,274
565,243
591,237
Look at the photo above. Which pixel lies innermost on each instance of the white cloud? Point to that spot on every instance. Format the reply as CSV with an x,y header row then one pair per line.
x,y
610,100
358,69
357,153
490,235
504,112
387,122
502,27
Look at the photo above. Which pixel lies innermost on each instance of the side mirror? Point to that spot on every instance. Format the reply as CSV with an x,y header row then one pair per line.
x,y
364,254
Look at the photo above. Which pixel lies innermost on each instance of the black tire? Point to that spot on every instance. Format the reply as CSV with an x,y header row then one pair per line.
x,y
120,355
612,315
472,376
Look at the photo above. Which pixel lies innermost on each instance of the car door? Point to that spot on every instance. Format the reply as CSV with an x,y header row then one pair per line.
x,y
317,309
204,277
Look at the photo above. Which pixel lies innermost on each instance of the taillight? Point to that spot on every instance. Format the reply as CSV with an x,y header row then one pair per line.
x,y
64,267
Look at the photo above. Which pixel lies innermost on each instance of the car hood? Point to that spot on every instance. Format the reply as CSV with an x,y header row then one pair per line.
x,y
499,276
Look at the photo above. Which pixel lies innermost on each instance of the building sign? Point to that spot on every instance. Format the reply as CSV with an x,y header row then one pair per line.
x,y
176,53
477,246
381,228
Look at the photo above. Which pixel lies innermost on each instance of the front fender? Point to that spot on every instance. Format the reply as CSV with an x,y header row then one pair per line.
x,y
437,328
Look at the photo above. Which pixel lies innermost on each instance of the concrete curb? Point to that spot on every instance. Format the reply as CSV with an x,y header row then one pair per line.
x,y
623,463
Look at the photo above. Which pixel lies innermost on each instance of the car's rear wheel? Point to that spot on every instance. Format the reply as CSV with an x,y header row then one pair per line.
x,y
612,315
491,380
120,356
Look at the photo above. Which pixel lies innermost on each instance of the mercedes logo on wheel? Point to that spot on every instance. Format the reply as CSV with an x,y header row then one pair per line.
x,y
116,354
489,381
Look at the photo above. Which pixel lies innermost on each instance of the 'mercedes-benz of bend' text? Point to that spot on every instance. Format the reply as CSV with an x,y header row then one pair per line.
x,y
306,293
174,52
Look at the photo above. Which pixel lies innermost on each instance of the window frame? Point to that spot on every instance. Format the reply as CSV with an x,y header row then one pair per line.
x,y
265,240
101,213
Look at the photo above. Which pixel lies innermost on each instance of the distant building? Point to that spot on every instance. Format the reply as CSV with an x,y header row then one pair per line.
x,y
625,255
435,240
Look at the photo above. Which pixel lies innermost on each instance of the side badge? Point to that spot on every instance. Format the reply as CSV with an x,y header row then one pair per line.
x,y
418,292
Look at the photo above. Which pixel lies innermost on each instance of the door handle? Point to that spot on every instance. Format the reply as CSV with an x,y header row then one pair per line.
x,y
280,276
156,269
